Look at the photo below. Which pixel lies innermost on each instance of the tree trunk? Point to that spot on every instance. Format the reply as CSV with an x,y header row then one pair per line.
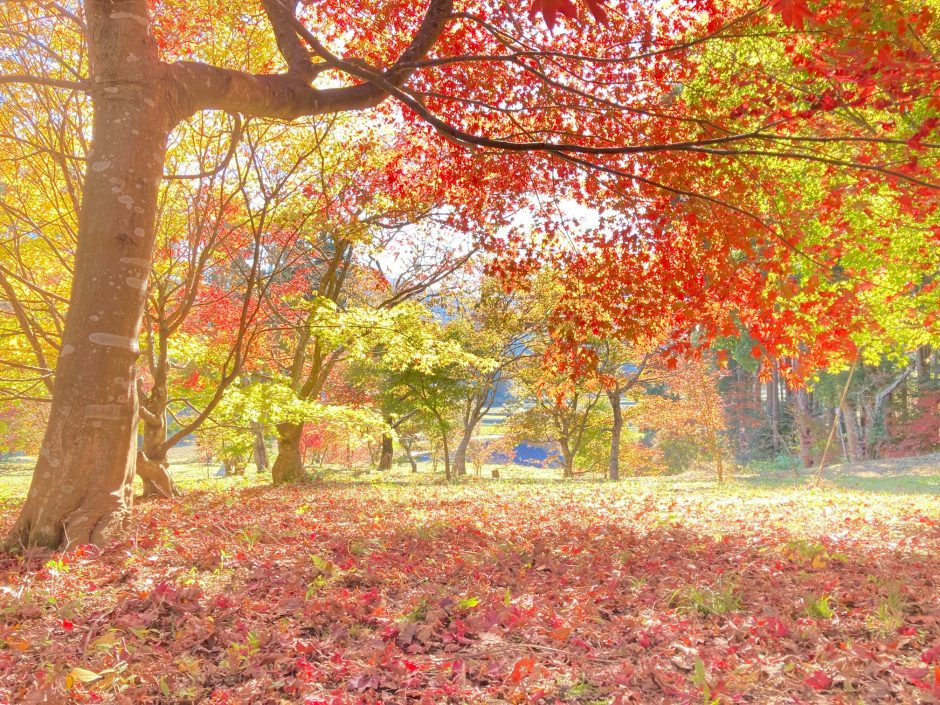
x,y
388,451
155,474
922,366
447,468
259,450
152,464
875,413
81,490
613,471
804,427
460,453
289,464
568,458
773,410
852,432
409,447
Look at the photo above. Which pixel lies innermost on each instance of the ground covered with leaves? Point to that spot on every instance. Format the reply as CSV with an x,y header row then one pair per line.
x,y
649,591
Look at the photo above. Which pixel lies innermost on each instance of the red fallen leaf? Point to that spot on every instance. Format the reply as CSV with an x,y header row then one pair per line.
x,y
913,674
522,668
931,655
820,680
777,627
66,625
793,12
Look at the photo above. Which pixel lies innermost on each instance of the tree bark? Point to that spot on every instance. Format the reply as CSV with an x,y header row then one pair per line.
x,y
773,410
852,432
387,454
804,427
922,366
568,458
289,464
81,490
260,449
460,453
407,445
447,467
875,413
152,465
613,470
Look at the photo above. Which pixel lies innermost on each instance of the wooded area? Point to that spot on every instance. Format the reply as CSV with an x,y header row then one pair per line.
x,y
662,276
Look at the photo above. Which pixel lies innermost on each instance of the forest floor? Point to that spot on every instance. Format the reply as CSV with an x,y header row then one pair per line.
x,y
400,589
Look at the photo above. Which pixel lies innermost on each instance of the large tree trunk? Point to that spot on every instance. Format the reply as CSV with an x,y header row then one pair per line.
x,y
613,470
81,490
289,464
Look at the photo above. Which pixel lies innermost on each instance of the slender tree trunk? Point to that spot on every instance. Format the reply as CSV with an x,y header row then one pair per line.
x,y
152,464
613,471
259,449
447,468
81,490
411,459
388,451
852,432
922,366
804,427
773,410
289,464
460,453
568,459
875,413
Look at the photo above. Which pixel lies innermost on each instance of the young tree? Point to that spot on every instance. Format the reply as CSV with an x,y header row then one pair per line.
x,y
494,325
622,367
219,268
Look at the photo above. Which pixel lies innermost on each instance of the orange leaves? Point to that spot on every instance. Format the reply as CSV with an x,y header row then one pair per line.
x,y
523,668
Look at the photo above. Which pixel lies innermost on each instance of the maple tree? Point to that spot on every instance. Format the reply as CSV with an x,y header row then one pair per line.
x,y
647,126
496,326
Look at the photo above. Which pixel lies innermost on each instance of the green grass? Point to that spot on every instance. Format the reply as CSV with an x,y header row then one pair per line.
x,y
789,499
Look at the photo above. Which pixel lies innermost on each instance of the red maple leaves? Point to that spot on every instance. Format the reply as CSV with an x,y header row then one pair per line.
x,y
552,9
793,12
